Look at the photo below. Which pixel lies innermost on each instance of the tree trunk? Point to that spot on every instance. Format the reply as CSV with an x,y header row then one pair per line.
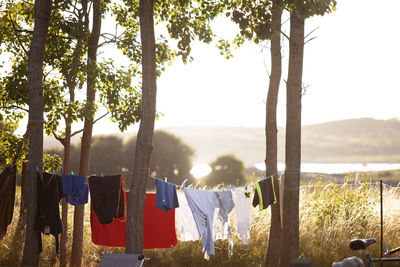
x,y
35,124
64,214
77,244
70,76
134,236
293,141
271,161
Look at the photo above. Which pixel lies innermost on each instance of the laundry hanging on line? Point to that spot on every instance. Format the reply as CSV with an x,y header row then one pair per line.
x,y
79,200
7,197
107,197
216,206
75,189
202,205
243,212
158,228
186,228
264,193
48,219
224,205
166,198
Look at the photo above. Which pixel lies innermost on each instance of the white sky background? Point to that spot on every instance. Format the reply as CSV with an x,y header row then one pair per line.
x,y
352,69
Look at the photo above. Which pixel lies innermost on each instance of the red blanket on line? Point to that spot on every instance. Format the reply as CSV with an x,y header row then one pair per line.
x,y
158,228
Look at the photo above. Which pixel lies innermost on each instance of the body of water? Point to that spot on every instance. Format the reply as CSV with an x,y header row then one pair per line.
x,y
202,169
333,168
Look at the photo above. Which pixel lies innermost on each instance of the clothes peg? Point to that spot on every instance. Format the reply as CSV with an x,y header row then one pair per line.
x,y
166,179
72,172
183,184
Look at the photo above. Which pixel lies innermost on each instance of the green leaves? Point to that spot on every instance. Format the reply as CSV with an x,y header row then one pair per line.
x,y
52,162
309,8
119,94
224,48
9,144
252,17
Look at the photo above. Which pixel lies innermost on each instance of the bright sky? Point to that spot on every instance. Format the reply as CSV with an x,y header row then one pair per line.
x,y
351,69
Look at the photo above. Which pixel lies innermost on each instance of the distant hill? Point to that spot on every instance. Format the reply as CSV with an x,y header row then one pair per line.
x,y
356,140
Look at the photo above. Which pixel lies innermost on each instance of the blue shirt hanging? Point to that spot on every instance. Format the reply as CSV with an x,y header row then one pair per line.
x,y
79,200
75,189
73,185
166,198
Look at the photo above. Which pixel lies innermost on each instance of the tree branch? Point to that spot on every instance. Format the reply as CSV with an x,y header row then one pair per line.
x,y
310,40
113,38
19,40
61,140
50,34
284,34
21,95
48,73
305,37
15,107
81,130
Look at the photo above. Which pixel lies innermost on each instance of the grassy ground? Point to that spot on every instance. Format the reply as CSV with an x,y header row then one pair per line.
x,y
330,216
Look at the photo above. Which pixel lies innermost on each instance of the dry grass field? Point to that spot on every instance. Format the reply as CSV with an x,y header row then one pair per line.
x,y
330,216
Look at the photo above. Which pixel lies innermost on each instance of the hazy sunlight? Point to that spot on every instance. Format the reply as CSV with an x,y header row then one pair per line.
x,y
200,170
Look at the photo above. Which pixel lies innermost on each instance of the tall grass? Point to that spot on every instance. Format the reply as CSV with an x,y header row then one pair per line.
x,y
330,216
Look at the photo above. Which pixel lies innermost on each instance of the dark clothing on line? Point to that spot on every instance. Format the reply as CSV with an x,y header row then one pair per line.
x,y
48,210
79,200
7,198
166,198
107,197
59,187
73,185
264,194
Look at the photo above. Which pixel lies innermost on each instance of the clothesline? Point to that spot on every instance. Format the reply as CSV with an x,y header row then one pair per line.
x,y
281,174
182,185
202,204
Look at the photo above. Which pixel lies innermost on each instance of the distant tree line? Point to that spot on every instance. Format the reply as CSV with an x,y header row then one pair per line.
x,y
171,158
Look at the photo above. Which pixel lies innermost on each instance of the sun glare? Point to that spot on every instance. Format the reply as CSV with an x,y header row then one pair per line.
x,y
200,170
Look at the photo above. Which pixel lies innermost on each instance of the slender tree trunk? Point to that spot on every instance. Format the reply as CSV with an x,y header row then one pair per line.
x,y
70,76
293,141
134,237
35,124
77,244
271,161
64,213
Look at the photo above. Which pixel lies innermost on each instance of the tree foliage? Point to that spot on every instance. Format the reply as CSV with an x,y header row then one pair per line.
x,y
52,163
171,157
10,149
226,169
